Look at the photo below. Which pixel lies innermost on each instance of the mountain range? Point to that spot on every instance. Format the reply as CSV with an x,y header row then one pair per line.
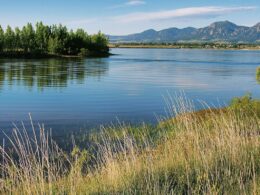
x,y
219,31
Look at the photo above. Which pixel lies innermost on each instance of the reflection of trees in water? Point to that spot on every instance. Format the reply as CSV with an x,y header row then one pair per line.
x,y
2,76
50,73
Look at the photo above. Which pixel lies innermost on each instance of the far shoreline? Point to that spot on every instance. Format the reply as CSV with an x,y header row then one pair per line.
x,y
188,46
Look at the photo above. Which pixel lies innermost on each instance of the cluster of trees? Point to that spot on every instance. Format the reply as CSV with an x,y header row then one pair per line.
x,y
55,40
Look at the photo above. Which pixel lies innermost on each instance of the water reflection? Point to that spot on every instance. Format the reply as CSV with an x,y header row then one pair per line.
x,y
49,73
77,95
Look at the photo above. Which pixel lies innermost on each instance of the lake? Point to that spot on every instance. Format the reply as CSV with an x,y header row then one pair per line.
x,y
80,94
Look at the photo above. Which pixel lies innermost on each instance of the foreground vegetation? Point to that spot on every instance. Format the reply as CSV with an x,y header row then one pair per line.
x,y
188,45
213,151
56,40
258,74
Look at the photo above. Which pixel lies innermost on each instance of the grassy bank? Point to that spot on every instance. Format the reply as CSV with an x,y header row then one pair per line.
x,y
213,151
258,74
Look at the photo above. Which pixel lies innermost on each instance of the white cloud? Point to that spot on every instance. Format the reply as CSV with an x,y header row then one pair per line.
x,y
179,13
137,22
129,3
135,2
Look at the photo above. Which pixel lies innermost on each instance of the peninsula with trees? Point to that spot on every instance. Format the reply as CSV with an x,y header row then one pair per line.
x,y
50,41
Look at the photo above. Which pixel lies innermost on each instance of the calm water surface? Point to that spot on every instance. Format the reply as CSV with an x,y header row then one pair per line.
x,y
69,95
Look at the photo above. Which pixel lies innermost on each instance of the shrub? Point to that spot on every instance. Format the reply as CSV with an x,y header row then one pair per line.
x,y
245,104
84,52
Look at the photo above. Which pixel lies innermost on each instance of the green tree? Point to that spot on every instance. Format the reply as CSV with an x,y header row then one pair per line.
x,y
17,44
28,39
42,34
78,42
1,39
58,39
100,42
54,46
9,38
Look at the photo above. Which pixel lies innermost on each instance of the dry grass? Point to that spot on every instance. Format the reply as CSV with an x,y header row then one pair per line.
x,y
214,152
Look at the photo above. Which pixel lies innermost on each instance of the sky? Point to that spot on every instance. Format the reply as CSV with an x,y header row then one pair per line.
x,y
121,17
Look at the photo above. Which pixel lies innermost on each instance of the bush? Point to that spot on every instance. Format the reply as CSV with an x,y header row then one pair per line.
x,y
245,104
84,52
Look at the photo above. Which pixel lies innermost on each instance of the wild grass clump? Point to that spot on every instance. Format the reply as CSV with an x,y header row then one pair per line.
x,y
258,74
209,152
245,104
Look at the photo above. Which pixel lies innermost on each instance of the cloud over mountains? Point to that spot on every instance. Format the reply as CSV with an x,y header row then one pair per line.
x,y
180,13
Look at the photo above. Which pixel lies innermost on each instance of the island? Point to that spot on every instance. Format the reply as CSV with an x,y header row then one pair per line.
x,y
50,41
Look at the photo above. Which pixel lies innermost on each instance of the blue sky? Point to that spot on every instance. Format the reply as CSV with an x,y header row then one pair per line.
x,y
120,17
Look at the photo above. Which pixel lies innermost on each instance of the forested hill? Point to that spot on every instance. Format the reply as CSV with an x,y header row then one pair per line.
x,y
218,31
55,40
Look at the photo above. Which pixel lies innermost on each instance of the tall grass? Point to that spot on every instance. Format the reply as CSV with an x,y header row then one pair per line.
x,y
258,74
215,151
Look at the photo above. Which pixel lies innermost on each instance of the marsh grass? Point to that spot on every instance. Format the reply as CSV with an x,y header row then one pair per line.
x,y
215,151
258,74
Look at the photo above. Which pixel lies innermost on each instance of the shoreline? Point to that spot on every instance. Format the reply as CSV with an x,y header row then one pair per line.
x,y
209,148
50,56
256,48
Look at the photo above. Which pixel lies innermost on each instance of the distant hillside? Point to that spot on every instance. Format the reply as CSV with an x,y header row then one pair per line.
x,y
219,31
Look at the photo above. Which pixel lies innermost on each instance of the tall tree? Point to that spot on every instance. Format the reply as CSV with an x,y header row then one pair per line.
x,y
59,38
17,44
1,39
9,39
28,38
54,46
78,41
100,42
42,34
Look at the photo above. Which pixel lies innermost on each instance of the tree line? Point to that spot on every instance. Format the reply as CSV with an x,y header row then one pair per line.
x,y
54,40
